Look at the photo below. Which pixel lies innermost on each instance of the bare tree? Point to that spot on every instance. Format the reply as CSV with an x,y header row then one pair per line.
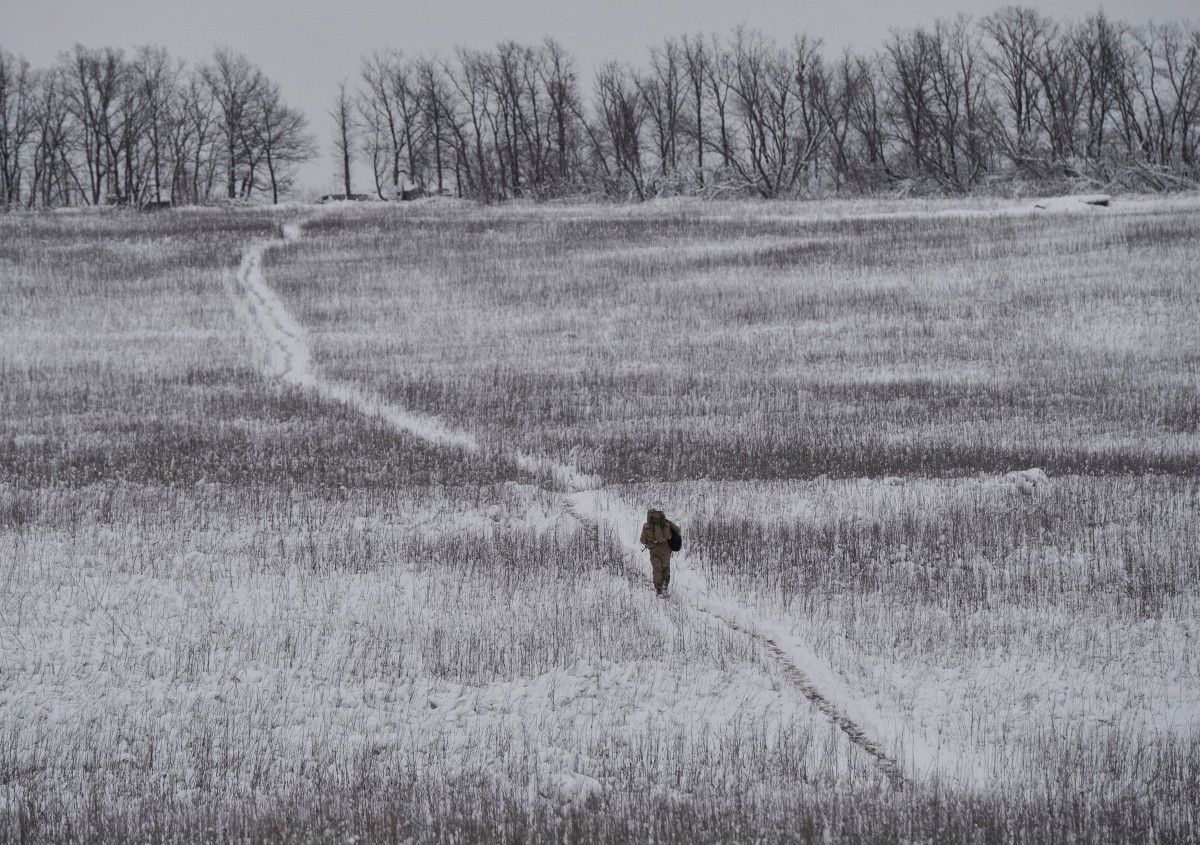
x,y
1098,43
812,119
1159,96
389,109
867,114
781,127
90,81
234,84
505,71
663,93
52,181
281,133
1019,37
835,90
695,65
1061,75
621,109
960,105
195,140
470,81
17,123
154,78
435,109
344,129
719,76
560,80
908,71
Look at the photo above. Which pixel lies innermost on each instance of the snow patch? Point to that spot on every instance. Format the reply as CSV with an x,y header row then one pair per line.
x,y
1073,202
289,359
1028,482
821,685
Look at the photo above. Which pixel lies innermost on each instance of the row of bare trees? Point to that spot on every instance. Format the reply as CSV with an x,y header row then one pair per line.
x,y
489,124
953,107
103,127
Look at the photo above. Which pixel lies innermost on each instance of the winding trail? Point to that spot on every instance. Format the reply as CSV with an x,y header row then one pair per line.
x,y
287,358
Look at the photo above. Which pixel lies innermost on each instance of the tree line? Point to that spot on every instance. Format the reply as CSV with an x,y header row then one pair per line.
x,y
103,127
953,107
959,106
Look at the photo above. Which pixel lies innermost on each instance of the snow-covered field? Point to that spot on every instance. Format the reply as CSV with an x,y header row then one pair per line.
x,y
320,524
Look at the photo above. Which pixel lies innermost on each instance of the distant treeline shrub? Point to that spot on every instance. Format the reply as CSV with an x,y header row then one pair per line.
x,y
953,107
1010,101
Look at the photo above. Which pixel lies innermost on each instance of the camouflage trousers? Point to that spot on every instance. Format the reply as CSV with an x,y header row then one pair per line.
x,y
660,563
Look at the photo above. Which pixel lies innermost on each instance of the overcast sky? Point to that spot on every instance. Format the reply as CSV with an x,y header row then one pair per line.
x,y
310,45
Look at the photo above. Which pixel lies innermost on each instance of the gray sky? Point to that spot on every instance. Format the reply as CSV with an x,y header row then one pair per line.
x,y
310,45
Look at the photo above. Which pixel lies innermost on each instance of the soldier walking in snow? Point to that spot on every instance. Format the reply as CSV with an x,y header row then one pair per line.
x,y
661,537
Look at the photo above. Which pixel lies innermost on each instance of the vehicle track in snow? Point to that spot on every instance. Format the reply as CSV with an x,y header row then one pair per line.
x,y
287,358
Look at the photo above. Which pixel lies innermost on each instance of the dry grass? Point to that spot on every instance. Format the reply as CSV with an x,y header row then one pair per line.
x,y
707,343
233,610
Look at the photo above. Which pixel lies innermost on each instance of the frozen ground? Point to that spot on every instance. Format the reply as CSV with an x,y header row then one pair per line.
x,y
288,358
363,562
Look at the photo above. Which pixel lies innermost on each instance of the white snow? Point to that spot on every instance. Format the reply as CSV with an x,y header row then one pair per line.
x,y
967,699
1073,202
288,358
91,655
1028,482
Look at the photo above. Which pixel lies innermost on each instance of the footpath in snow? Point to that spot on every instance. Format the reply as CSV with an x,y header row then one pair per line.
x,y
287,357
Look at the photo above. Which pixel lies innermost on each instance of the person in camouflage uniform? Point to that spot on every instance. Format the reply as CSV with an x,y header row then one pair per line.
x,y
656,536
